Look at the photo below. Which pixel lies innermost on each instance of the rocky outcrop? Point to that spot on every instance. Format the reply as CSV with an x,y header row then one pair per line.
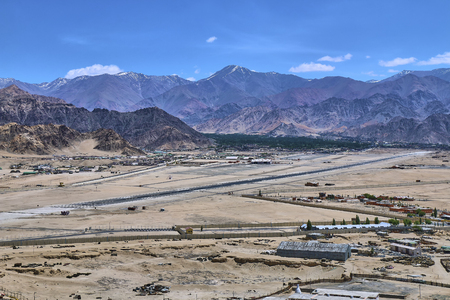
x,y
46,139
109,140
39,139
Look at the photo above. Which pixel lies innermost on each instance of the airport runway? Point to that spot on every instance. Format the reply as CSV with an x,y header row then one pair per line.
x,y
112,201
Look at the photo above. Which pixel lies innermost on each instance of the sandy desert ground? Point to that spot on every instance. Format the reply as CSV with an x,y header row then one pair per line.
x,y
30,208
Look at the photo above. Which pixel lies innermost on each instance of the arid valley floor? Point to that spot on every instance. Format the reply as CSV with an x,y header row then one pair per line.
x,y
31,206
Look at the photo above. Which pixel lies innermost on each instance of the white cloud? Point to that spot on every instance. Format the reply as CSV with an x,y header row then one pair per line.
x,y
367,56
93,70
437,60
197,71
393,71
190,78
397,62
311,67
211,39
372,73
336,59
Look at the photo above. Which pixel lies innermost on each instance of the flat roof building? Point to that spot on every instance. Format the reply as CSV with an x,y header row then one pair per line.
x,y
412,251
314,249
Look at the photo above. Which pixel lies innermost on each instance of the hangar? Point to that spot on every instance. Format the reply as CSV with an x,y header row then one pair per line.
x,y
314,249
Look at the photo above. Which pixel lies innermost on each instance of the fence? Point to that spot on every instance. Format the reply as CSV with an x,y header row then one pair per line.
x,y
252,225
353,187
348,209
214,235
260,234
11,294
58,241
183,235
410,280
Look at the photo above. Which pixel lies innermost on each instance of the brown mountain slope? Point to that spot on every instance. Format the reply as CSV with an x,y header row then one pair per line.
x,y
12,92
109,140
47,139
144,128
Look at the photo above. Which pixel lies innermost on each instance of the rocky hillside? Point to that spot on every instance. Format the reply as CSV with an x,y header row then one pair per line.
x,y
111,141
46,139
149,128
433,130
331,115
12,92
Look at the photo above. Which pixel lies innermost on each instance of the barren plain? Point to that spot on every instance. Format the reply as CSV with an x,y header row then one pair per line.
x,y
204,268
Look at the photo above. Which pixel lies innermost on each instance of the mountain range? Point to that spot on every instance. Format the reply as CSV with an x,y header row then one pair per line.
x,y
238,100
149,128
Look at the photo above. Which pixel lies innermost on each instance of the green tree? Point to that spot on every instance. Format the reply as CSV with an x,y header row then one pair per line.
x,y
394,222
343,222
376,221
435,212
309,225
407,222
367,221
416,222
369,196
357,220
420,212
334,222
428,221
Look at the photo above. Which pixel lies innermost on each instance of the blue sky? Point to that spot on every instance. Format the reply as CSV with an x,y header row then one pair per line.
x,y
43,40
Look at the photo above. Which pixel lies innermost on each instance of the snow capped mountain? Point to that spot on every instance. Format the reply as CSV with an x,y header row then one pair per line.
x,y
229,70
119,92
442,73
237,99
